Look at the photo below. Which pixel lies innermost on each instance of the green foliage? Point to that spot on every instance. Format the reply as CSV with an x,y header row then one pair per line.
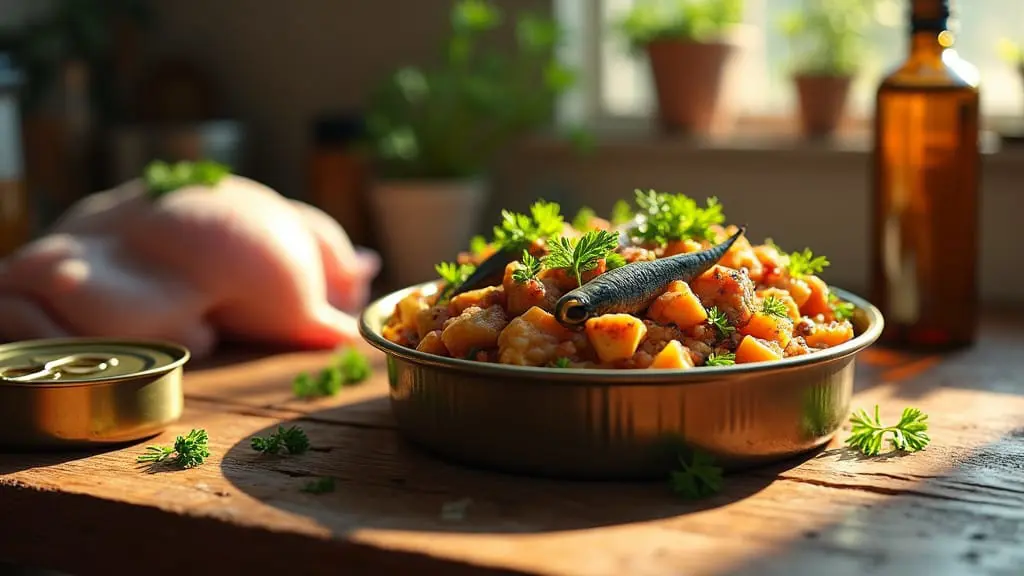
x,y
188,451
668,217
451,120
348,366
827,37
517,231
579,255
687,20
162,178
909,434
725,359
292,439
699,478
528,271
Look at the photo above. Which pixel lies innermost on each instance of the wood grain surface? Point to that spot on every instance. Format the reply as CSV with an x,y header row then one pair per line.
x,y
955,508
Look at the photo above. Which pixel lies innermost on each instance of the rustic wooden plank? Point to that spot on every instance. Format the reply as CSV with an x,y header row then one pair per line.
x,y
956,508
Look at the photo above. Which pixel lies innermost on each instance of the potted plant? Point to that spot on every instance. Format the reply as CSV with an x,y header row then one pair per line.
x,y
826,39
433,133
687,45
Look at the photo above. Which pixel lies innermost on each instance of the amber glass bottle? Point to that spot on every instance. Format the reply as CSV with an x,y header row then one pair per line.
x,y
925,196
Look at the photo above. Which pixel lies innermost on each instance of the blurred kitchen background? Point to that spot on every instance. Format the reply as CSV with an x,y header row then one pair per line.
x,y
287,93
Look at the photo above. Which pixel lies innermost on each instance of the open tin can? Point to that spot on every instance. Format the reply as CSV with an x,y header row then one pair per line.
x,y
79,392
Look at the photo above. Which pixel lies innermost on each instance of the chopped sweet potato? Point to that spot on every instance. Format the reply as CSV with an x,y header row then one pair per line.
x,y
679,306
481,298
817,300
433,344
682,247
783,296
431,319
769,327
615,336
409,307
753,349
521,296
769,256
799,290
474,328
673,356
828,335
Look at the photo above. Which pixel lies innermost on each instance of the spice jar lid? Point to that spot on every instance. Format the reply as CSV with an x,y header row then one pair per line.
x,y
85,360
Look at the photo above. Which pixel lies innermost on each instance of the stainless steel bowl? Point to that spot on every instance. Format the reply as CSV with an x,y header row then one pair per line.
x,y
617,424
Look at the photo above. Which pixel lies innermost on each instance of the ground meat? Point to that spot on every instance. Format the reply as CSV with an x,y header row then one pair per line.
x,y
805,327
796,347
658,335
481,298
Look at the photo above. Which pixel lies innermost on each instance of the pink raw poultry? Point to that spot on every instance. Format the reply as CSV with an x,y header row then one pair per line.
x,y
197,265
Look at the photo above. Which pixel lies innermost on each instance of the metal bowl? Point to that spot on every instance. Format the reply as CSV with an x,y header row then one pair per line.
x,y
617,424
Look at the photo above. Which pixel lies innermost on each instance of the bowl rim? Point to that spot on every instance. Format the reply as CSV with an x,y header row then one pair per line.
x,y
872,319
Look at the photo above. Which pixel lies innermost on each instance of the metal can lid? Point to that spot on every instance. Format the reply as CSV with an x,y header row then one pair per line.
x,y
70,361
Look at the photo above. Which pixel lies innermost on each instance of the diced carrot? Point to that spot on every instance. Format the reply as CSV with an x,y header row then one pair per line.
x,y
615,336
768,255
679,306
682,247
799,290
753,349
783,296
828,335
817,301
768,327
673,356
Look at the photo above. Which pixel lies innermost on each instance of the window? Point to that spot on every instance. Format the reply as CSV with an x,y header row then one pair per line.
x,y
617,86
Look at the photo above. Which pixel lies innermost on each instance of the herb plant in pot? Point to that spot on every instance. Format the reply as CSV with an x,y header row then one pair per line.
x,y
433,134
826,40
687,45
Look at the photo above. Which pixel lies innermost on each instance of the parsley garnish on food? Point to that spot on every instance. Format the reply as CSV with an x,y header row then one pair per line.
x,y
561,362
614,260
162,178
292,439
669,217
621,213
349,366
805,263
188,451
529,270
583,219
517,231
840,310
698,479
579,255
319,486
772,306
453,275
725,359
477,245
718,319
909,434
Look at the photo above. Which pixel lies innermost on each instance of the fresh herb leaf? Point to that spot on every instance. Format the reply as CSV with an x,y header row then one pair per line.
x,y
583,219
803,263
909,434
188,451
529,270
621,213
349,366
840,310
561,362
477,245
719,320
453,275
579,255
772,306
698,478
162,178
726,359
517,231
671,217
319,486
292,439
614,260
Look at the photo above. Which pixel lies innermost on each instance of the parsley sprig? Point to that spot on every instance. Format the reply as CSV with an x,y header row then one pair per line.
x,y
188,451
724,359
583,219
772,306
840,310
292,439
698,478
454,275
909,434
517,231
579,255
800,264
349,366
621,213
528,271
669,217
162,178
719,320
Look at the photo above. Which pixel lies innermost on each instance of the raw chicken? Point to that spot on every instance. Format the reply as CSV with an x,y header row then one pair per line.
x,y
198,265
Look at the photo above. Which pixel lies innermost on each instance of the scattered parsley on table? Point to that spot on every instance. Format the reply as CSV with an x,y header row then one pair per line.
x,y
698,478
909,434
349,366
188,451
292,439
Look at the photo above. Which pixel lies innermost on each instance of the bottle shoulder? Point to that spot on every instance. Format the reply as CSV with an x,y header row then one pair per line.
x,y
948,72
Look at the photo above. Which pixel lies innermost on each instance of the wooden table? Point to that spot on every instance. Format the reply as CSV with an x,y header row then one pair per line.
x,y
956,508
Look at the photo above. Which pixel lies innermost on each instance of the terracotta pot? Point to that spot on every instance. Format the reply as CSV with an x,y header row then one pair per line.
x,y
822,102
420,223
688,80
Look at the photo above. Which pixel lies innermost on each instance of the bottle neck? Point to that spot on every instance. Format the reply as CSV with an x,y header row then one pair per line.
x,y
930,28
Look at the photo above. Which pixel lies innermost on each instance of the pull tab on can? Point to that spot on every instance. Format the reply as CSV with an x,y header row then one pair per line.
x,y
74,364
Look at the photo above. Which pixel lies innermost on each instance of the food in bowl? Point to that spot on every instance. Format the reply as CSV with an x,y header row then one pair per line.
x,y
664,284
